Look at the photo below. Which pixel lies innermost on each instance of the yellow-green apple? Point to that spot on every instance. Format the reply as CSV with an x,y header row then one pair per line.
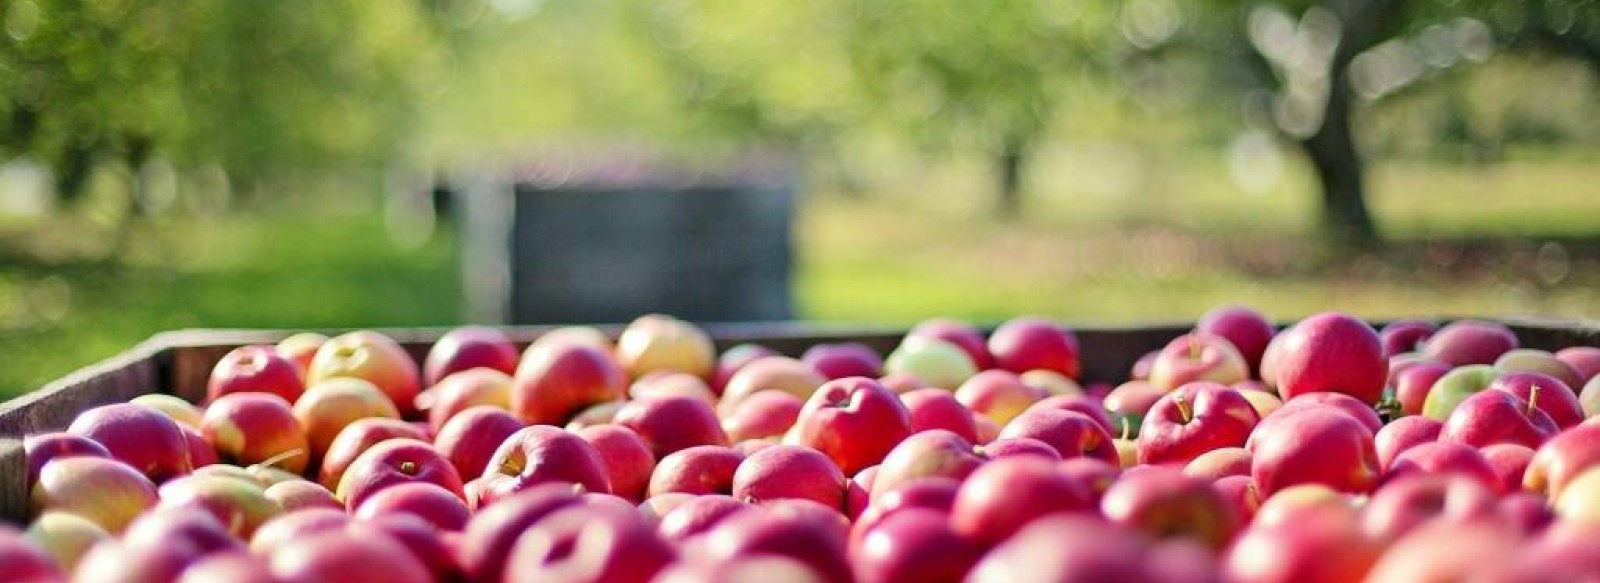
x,y
440,508
470,438
629,463
393,462
931,453
935,362
1000,448
460,391
1131,401
704,469
1509,462
589,543
467,348
1447,550
1404,504
66,537
655,342
1580,500
1589,398
769,373
938,409
1162,502
1562,458
297,494
1241,494
356,439
255,428
1444,458
998,394
671,423
339,555
540,454
372,357
1066,548
734,359
1003,495
1455,386
1538,361
600,414
40,449
1314,446
1403,434
1331,352
1246,329
1490,417
1584,360
1031,342
696,515
239,505
556,381
1198,356
1403,336
915,544
255,369
300,348
854,421
139,436
1219,463
790,471
328,407
184,412
1412,385
1545,392
843,359
1071,433
1318,545
1051,382
764,414
1465,342
1193,419
816,543
959,333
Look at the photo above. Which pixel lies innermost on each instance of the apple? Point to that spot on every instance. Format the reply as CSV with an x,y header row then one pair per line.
x,y
1455,386
300,349
462,390
239,505
672,423
1403,505
252,428
25,562
842,360
1509,462
959,333
1338,402
734,359
1246,329
1284,506
1193,419
297,494
1331,352
1443,457
255,369
540,454
346,556
1589,398
1195,357
1447,551
139,436
988,430
999,394
1403,336
1073,434
935,362
440,508
1084,404
905,382
600,414
1403,434
1054,383
1490,417
587,542
1412,385
285,529
698,514
1467,342
1525,510
40,449
1140,371
655,342
355,439
471,437
1401,362
232,566
1314,446
184,412
769,373
467,348
488,539
1163,502
664,383
1584,360
1562,458
938,409
1004,495
1580,500
1241,494
433,547
393,462
1131,401
584,335
768,568
201,454
192,527
706,469
66,537
790,471
1547,393
932,493
804,537
1528,360
915,544
931,453
1318,545
763,414
1067,548
628,460
556,381
328,407
854,421
1000,448
1219,463
118,561
372,357
1031,342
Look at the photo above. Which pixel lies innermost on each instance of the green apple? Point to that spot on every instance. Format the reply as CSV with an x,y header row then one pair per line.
x,y
936,362
1454,387
1589,398
1580,500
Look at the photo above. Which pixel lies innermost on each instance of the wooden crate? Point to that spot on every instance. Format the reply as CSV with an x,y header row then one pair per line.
x,y
179,363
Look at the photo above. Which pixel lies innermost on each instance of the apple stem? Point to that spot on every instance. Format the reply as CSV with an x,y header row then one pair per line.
x,y
1183,408
273,461
1194,351
1127,428
1533,398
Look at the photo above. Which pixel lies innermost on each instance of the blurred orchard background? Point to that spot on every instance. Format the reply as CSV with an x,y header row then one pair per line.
x,y
220,163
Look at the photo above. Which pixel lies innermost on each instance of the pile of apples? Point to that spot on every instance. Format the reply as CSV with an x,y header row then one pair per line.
x,y
1325,452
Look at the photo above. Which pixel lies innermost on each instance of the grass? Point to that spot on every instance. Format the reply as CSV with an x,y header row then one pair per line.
x,y
1130,246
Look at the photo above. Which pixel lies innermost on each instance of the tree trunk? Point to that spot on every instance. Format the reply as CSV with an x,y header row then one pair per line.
x,y
1013,154
1332,149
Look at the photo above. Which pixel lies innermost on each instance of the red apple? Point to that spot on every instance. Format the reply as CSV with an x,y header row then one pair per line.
x,y
1331,352
1084,404
440,508
358,437
1547,393
233,566
769,373
1562,458
1162,502
1131,401
931,453
789,471
556,381
328,407
394,462
1067,548
25,562
240,505
1528,360
998,394
1509,462
300,349
698,514
1219,463
1444,458
139,436
540,454
1403,336
1241,494
1470,342
372,357
340,556
1193,419
1411,386
1403,505
1447,551
1584,360
1030,342
844,359
40,449
297,494
961,334
255,369
489,537
938,409
462,390
763,414
734,359
1246,329
655,342
672,423
596,415
467,348
705,469
285,529
854,421
201,453
256,428
1073,434
1195,357
628,460
105,491
1491,417
1004,495
471,437
589,543
803,537
1403,434
916,544
1317,546
1356,409
1314,446
1000,448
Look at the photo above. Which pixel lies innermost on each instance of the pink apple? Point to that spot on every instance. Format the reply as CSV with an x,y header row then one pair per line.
x,y
959,333
358,437
467,348
1356,409
844,359
1412,385
1549,394
763,414
706,469
628,460
1562,458
540,454
1198,356
1584,360
698,514
471,437
938,409
1318,545
931,453
672,423
812,541
394,462
1067,548
1470,342
1030,342
1403,336
256,428
556,381
343,556
770,373
1000,448
1314,446
1444,458
1509,462
1140,371
999,394
1331,352
1193,419
1491,417
486,544
916,544
734,359
462,390
1004,495
374,358
440,508
139,436
790,471
1403,434
854,421
283,530
255,369
1403,505
1246,329
1073,434
1163,502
